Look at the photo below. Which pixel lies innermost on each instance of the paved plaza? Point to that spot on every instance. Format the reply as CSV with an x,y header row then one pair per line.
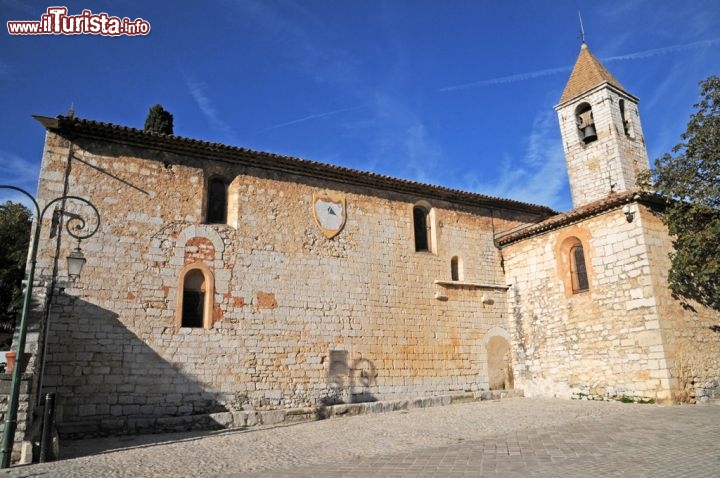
x,y
513,437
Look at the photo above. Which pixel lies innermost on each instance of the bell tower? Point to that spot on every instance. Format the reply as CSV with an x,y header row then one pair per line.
x,y
600,128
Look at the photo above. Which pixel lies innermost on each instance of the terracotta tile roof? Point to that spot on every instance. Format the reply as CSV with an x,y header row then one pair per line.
x,y
588,210
587,73
78,127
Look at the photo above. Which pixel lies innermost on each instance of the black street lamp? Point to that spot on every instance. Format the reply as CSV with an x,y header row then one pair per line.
x,y
76,260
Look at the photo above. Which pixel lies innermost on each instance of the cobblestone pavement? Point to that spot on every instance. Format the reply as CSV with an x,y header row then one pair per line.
x,y
514,437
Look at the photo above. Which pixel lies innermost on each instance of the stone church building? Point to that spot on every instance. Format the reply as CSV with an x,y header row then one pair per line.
x,y
223,279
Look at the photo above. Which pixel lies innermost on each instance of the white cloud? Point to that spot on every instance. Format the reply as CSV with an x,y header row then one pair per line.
x,y
299,32
19,172
197,90
9,195
401,145
539,177
423,153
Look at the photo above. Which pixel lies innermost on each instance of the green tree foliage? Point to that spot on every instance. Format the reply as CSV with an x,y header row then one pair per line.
x,y
690,181
159,121
15,223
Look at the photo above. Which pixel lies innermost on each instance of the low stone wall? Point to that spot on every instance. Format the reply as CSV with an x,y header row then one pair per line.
x,y
253,418
22,412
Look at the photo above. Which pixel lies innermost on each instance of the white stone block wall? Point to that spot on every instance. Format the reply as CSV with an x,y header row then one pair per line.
x,y
691,332
603,343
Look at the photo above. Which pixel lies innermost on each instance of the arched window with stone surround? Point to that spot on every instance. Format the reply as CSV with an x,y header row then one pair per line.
x,y
578,271
217,200
421,228
195,297
574,266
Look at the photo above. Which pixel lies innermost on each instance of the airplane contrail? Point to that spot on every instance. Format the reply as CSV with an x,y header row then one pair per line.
x,y
508,79
661,51
551,71
311,117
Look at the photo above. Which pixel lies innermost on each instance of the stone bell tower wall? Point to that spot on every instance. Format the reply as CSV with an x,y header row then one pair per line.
x,y
613,161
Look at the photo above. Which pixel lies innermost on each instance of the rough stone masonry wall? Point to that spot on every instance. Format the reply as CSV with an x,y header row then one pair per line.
x,y
606,342
285,296
692,333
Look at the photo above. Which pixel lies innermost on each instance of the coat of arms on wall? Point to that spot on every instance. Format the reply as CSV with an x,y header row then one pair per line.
x,y
329,213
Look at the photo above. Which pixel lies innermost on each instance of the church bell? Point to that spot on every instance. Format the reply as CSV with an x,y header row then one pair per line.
x,y
586,125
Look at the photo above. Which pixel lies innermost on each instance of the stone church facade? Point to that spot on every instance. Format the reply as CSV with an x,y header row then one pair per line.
x,y
228,279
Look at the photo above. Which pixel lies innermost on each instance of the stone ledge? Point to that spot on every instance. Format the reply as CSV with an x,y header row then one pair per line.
x,y
472,285
294,415
253,418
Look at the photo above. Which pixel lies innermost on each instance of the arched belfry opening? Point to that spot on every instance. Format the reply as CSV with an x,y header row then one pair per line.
x,y
585,123
626,120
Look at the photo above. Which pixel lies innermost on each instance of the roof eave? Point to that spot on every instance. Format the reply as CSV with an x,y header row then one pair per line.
x,y
604,84
561,220
76,127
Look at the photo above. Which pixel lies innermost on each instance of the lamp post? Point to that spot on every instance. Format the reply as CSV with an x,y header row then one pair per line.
x,y
75,263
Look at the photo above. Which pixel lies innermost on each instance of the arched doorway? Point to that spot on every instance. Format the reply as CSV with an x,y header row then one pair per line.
x,y
500,372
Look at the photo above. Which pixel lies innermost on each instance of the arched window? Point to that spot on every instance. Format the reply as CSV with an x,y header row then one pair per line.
x,y
422,231
195,297
217,201
456,272
585,123
578,271
574,268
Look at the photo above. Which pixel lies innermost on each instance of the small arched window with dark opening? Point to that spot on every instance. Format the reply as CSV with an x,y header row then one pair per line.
x,y
456,269
193,301
578,271
585,123
420,224
217,201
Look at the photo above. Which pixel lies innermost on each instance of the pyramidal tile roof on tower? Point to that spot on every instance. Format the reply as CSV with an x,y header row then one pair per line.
x,y
587,73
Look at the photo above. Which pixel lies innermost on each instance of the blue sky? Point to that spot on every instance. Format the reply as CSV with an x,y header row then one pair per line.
x,y
456,93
